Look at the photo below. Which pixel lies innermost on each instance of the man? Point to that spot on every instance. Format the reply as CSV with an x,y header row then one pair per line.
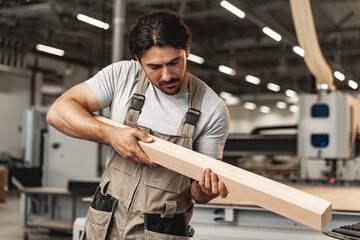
x,y
154,95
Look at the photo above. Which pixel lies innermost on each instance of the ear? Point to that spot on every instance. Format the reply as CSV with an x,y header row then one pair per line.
x,y
187,52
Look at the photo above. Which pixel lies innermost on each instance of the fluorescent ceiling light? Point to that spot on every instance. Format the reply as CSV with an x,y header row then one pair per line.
x,y
252,79
92,21
229,99
249,105
51,50
233,9
281,105
196,59
271,33
299,51
52,89
225,95
339,75
265,109
293,108
353,84
232,101
227,70
273,87
290,93
322,86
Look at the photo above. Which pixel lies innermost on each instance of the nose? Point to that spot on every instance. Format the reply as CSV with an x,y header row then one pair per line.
x,y
166,74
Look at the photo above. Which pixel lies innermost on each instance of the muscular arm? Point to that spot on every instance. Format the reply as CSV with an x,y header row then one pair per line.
x,y
71,114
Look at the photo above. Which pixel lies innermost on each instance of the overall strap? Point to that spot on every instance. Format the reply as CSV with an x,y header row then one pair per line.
x,y
196,95
138,99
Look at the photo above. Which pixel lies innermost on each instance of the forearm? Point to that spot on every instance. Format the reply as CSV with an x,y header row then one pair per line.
x,y
70,117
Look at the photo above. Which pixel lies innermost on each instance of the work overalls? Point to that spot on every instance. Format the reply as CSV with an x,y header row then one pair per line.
x,y
136,201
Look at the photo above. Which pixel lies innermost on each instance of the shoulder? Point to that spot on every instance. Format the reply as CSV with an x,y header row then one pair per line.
x,y
212,102
118,70
214,109
129,66
213,127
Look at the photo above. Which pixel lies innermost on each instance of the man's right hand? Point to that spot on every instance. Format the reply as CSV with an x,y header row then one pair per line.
x,y
125,143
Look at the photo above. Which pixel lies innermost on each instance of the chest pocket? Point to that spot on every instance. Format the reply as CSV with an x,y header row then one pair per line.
x,y
164,179
129,167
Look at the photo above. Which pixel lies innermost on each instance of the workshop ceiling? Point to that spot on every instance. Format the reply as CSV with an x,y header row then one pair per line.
x,y
219,36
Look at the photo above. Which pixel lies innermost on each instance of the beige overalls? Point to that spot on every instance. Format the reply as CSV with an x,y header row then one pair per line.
x,y
136,201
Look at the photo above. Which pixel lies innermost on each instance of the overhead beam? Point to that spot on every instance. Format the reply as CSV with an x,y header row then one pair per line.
x,y
276,197
152,2
31,10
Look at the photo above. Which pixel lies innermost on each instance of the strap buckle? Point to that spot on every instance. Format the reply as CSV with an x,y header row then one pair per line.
x,y
137,102
192,116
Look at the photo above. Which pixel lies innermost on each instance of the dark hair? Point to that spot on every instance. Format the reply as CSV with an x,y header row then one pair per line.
x,y
161,28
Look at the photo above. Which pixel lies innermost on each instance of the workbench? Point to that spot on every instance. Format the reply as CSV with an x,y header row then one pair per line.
x,y
235,219
50,222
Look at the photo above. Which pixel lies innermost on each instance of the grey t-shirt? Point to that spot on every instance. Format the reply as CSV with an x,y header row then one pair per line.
x,y
114,86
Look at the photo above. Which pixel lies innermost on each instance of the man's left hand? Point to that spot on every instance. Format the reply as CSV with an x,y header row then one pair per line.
x,y
211,185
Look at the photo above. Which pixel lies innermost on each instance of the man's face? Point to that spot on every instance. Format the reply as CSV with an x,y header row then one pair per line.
x,y
166,68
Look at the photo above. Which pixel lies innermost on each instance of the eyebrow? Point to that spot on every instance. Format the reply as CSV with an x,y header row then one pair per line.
x,y
156,65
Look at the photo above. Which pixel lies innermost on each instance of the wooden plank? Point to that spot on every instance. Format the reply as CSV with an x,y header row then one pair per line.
x,y
276,197
338,196
307,38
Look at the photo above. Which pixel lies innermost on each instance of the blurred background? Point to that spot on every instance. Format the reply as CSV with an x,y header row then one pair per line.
x,y
245,50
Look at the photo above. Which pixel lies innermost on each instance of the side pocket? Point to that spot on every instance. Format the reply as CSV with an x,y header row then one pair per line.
x,y
158,228
99,216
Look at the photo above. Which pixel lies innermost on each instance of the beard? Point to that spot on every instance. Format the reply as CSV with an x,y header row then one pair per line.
x,y
173,89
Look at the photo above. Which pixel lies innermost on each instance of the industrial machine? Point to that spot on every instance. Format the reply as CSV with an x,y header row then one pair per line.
x,y
322,158
328,126
325,148
60,157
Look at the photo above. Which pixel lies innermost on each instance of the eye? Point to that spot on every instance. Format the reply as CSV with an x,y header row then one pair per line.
x,y
154,67
174,63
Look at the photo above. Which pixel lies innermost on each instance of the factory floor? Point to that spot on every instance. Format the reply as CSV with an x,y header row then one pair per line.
x,y
11,222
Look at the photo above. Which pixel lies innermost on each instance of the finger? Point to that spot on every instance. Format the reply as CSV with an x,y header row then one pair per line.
x,y
202,180
143,157
136,159
150,163
214,184
143,136
222,189
137,151
207,179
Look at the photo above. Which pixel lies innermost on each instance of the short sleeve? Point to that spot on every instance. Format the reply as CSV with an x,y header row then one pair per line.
x,y
211,141
103,85
108,81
